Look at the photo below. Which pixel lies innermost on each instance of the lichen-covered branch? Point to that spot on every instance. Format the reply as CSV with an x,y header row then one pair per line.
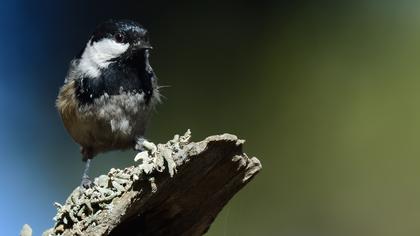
x,y
177,188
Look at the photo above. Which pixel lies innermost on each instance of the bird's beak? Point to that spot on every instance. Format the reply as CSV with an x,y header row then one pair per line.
x,y
143,45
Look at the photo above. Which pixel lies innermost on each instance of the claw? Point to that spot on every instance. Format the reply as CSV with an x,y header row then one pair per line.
x,y
86,182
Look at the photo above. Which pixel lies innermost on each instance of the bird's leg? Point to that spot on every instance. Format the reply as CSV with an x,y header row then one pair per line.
x,y
87,154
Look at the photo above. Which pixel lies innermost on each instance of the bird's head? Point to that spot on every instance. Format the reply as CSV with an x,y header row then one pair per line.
x,y
113,40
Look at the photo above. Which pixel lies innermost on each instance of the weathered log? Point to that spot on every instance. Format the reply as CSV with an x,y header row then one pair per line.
x,y
178,188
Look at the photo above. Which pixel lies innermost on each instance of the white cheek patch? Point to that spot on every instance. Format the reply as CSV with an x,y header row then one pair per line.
x,y
98,55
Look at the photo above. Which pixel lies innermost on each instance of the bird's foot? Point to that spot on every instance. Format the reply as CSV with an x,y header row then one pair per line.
x,y
143,145
86,182
139,144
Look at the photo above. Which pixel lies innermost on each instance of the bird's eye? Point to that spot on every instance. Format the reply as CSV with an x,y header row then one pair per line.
x,y
119,37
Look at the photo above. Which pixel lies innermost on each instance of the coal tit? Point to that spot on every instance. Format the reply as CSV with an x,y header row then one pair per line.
x,y
109,91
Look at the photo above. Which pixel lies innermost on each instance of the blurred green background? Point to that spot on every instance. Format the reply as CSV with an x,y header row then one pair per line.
x,y
326,94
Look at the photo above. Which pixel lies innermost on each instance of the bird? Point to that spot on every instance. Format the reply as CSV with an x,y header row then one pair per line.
x,y
109,92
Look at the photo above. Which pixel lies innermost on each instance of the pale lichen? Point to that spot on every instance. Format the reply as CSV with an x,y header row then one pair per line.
x,y
83,204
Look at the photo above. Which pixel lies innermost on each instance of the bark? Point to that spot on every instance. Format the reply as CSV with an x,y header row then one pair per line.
x,y
177,188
